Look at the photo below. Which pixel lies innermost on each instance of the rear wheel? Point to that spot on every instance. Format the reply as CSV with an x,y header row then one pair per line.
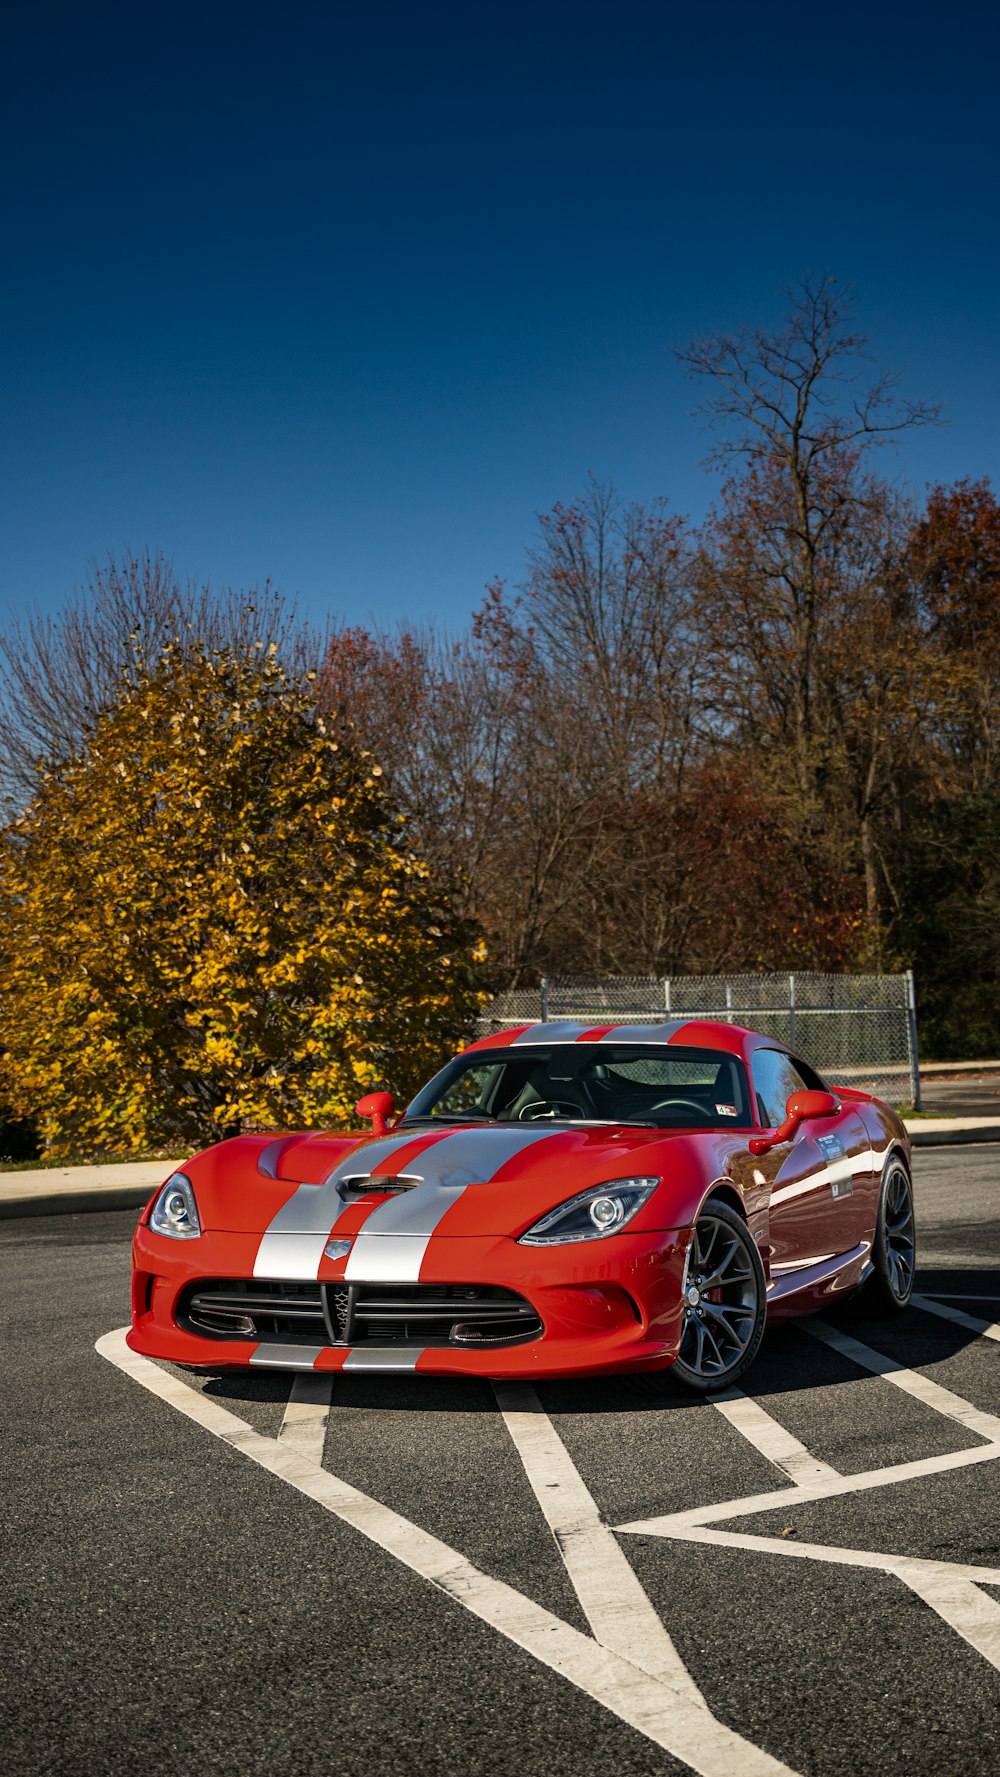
x,y
894,1249
725,1302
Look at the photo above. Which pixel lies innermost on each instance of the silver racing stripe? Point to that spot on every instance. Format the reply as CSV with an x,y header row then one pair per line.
x,y
369,1156
621,1033
387,1258
365,1357
286,1357
388,1357
293,1257
392,1243
292,1245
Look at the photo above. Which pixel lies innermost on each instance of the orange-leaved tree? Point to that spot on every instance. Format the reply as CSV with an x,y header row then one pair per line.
x,y
210,918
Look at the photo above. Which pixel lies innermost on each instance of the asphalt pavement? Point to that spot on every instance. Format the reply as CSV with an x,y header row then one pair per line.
x,y
253,1593
972,1093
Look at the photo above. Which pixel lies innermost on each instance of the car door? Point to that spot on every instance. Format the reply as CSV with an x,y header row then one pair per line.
x,y
820,1181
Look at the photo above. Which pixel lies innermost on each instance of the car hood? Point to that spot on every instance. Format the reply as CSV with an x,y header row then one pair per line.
x,y
485,1179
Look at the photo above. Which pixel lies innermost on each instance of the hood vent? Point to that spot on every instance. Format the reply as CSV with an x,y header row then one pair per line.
x,y
364,1184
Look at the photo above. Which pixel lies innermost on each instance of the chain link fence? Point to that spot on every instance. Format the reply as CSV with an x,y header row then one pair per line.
x,y
857,1030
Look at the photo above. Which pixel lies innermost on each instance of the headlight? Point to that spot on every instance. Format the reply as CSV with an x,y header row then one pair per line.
x,y
602,1210
175,1211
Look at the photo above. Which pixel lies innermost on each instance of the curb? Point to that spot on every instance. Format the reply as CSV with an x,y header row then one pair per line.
x,y
948,1070
59,1203
953,1138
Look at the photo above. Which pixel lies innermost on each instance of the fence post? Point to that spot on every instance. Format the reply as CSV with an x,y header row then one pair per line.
x,y
911,1038
729,1004
666,995
545,999
791,1011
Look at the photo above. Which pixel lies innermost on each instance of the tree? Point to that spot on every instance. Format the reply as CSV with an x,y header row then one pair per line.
x,y
59,674
955,562
209,917
800,407
609,598
487,761
951,866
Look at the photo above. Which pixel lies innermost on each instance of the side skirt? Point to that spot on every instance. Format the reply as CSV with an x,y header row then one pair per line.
x,y
815,1286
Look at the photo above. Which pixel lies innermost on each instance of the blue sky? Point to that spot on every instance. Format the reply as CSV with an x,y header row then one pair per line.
x,y
343,295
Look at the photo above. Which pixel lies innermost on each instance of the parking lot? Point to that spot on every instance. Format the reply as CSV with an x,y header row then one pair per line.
x,y
394,1574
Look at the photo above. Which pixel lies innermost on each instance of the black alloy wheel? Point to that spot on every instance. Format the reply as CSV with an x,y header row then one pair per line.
x,y
894,1250
725,1302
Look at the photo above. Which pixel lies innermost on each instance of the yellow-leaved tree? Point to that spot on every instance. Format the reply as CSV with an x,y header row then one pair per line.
x,y
210,919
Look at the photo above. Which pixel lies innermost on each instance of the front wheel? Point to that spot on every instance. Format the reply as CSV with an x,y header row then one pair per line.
x,y
725,1302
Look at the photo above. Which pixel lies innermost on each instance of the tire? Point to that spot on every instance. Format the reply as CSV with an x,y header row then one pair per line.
x,y
722,1331
894,1249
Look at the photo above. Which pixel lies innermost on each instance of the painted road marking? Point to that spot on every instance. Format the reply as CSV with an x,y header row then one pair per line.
x,y
952,1406
810,1491
836,1555
304,1425
770,1439
955,1296
970,1612
614,1603
629,1662
951,1589
985,1328
650,1705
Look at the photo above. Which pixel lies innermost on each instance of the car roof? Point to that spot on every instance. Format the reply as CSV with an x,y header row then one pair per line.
x,y
698,1033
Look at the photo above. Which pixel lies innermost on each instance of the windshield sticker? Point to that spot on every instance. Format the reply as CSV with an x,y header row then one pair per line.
x,y
725,1110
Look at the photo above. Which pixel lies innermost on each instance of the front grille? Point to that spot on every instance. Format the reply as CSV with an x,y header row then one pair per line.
x,y
442,1314
454,1314
286,1313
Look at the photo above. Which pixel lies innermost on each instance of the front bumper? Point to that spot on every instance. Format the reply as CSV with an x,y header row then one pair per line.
x,y
605,1306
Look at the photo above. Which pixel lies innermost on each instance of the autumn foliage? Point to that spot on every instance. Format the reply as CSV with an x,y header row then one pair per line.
x,y
210,918
236,892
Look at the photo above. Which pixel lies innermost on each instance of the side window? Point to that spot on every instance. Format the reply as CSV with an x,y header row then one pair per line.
x,y
775,1078
809,1075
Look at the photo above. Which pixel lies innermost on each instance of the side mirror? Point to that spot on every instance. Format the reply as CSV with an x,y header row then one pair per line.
x,y
801,1108
378,1106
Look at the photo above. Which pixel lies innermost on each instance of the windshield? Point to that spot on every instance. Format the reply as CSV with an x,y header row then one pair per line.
x,y
661,1086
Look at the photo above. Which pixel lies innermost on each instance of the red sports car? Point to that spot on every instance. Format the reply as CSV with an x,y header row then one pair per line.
x,y
559,1200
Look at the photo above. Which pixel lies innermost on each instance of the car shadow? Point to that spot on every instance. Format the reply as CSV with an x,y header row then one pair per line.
x,y
788,1362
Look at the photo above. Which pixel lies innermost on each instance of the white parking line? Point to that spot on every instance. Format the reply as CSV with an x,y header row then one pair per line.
x,y
951,1588
970,1612
957,1296
908,1567
913,1382
614,1603
304,1425
658,1710
810,1491
985,1328
770,1438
